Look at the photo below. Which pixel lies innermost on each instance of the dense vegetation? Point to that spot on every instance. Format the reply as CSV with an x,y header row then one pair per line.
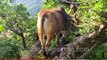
x,y
22,29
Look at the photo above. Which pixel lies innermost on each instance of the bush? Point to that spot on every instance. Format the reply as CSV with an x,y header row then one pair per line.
x,y
8,48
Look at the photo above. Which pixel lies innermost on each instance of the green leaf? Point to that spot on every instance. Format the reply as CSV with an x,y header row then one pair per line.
x,y
98,6
1,28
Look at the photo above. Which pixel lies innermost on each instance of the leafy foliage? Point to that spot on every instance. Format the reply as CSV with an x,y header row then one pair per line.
x,y
15,18
91,14
9,48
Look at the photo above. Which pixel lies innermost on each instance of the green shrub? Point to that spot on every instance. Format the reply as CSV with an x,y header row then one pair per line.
x,y
9,49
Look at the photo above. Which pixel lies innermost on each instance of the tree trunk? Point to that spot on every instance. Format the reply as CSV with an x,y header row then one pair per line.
x,y
23,41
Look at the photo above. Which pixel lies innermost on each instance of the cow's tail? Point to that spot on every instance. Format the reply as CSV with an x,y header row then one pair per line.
x,y
40,29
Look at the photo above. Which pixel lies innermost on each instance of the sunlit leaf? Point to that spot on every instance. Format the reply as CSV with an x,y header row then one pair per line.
x,y
1,28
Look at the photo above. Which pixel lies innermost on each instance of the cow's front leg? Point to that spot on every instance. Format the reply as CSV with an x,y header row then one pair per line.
x,y
64,33
60,38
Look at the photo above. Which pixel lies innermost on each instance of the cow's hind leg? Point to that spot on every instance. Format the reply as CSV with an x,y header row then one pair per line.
x,y
41,39
48,41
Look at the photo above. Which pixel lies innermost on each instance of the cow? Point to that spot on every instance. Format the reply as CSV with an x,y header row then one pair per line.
x,y
51,22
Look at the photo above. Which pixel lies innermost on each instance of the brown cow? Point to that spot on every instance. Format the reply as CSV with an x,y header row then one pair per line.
x,y
50,22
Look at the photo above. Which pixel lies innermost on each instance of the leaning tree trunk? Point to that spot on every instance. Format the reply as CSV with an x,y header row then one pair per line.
x,y
87,43
70,50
